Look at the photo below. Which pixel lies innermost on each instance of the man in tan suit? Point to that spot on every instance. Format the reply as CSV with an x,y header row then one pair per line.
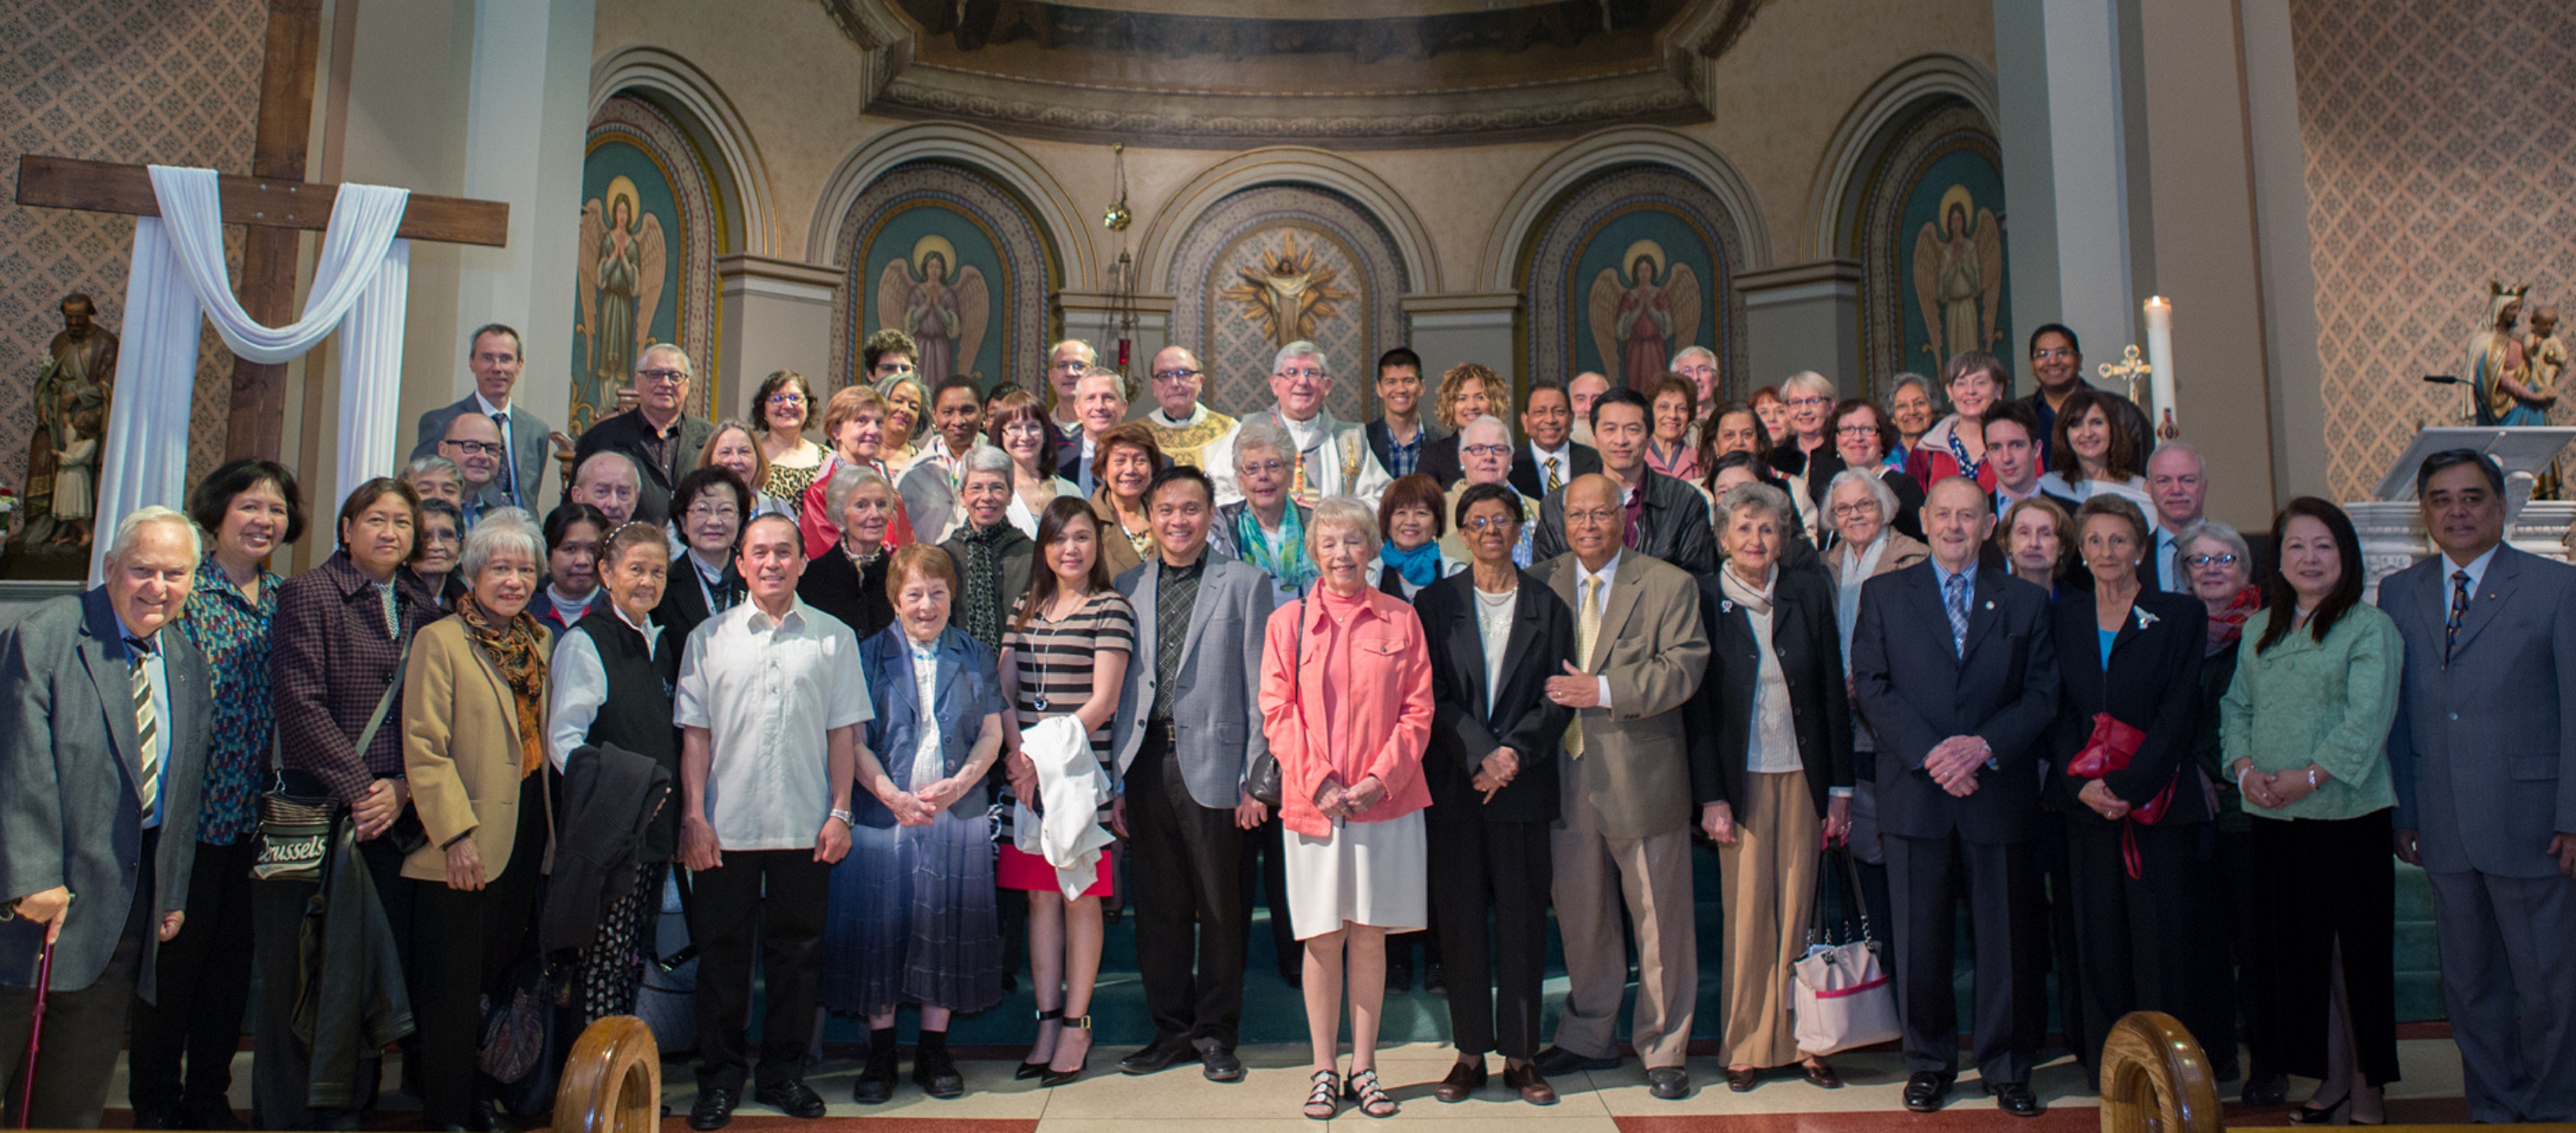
x,y
1629,790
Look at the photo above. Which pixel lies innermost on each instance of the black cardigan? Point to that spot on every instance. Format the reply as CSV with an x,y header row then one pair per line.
x,y
2153,684
1804,634
1524,719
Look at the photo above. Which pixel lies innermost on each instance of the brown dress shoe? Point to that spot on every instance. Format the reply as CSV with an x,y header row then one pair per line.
x,y
1743,1079
1532,1084
1464,1079
1820,1074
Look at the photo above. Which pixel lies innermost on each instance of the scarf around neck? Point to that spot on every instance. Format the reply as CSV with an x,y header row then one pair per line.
x,y
982,618
1289,565
515,648
2228,625
1419,566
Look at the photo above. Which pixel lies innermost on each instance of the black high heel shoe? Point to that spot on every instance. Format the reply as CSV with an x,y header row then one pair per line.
x,y
1055,1077
2309,1114
1030,1070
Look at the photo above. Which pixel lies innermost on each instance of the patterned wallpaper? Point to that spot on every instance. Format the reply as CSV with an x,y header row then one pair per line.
x,y
2439,155
113,80
1317,244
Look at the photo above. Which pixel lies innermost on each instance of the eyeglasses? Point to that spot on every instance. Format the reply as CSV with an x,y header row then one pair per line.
x,y
477,448
1176,375
661,377
787,399
1490,523
1856,510
2197,561
1858,431
1024,426
715,510
2051,354
1263,468
1315,374
1594,515
1485,450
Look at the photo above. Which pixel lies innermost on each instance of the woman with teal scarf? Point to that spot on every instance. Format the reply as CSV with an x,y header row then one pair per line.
x,y
1409,527
1265,529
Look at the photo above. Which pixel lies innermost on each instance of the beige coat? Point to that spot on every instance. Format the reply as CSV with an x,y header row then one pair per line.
x,y
1902,552
461,752
1635,769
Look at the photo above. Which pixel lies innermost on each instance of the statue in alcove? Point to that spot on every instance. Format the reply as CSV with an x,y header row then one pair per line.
x,y
73,387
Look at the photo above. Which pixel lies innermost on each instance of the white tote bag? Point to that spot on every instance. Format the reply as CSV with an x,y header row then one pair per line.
x,y
1843,997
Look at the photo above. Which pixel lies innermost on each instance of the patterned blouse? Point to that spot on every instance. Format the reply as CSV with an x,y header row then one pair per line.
x,y
232,631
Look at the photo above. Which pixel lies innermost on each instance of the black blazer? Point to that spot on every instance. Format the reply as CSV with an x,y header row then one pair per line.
x,y
1439,458
626,433
1462,732
1915,692
1672,525
684,605
1531,482
2153,684
1720,713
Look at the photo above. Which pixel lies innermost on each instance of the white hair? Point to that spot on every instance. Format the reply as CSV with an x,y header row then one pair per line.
x,y
1679,355
1757,495
431,463
845,483
502,530
1810,381
1488,419
1260,432
580,475
131,528
1345,512
686,367
1300,349
986,458
2184,447
2219,532
1868,478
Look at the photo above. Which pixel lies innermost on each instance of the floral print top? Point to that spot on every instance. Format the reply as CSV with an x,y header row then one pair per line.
x,y
232,631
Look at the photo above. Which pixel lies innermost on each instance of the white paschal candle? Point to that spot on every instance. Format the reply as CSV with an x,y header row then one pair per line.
x,y
2160,356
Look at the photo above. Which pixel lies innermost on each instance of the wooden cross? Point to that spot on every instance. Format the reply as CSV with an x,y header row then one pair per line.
x,y
2130,368
273,202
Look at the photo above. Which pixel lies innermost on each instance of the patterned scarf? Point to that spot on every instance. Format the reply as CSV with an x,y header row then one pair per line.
x,y
1289,566
982,618
2228,625
516,649
1959,452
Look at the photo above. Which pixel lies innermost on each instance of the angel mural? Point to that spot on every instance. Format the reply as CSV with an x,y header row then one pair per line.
x,y
1289,292
1639,323
1959,276
622,257
946,316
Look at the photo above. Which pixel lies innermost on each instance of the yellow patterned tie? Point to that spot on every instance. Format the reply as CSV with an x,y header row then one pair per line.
x,y
1554,481
1587,626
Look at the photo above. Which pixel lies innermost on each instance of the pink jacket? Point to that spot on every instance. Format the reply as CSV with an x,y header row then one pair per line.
x,y
1369,674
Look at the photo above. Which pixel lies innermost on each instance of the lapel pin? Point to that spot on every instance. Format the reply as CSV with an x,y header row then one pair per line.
x,y
1990,603
1725,606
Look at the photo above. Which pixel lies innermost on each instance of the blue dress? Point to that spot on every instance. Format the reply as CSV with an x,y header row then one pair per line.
x,y
913,918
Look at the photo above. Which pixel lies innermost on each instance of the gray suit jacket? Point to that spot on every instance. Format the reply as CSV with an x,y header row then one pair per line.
x,y
527,455
70,767
1216,710
1635,768
2483,753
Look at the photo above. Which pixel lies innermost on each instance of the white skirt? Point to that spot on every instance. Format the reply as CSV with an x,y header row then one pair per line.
x,y
1368,873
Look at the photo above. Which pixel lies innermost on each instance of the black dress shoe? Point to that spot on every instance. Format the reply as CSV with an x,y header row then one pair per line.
x,y
714,1110
1399,979
158,1117
936,1073
1671,1083
1295,975
214,1114
2015,1098
1926,1091
1163,1051
795,1099
1559,1062
1463,1081
1532,1084
1218,1063
2267,1090
876,1080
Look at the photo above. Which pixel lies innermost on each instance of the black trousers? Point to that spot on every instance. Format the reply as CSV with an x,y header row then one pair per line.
x,y
2255,995
2149,943
1265,861
464,945
1497,872
2330,883
2059,943
733,923
1927,876
1183,859
204,985
84,1027
281,1069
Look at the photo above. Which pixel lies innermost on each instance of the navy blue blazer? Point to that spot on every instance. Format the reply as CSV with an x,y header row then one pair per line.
x,y
1915,692
969,688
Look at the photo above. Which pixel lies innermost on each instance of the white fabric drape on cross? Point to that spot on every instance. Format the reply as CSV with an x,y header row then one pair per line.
x,y
359,287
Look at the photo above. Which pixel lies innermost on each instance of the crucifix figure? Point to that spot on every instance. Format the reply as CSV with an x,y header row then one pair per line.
x,y
275,205
2131,369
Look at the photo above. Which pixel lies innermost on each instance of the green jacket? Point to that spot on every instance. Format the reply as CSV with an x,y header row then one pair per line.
x,y
2329,703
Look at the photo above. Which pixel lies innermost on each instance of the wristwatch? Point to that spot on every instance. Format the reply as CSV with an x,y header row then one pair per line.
x,y
843,814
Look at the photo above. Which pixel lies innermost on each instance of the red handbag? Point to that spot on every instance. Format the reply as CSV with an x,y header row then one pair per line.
x,y
2109,749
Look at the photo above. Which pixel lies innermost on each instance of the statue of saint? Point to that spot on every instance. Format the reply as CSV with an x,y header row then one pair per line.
x,y
79,373
2544,351
2500,377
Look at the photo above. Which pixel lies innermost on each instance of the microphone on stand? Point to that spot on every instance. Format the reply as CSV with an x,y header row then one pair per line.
x,y
2445,380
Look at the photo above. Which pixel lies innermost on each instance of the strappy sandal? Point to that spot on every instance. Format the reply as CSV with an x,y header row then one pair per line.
x,y
1374,1100
1325,1099
1072,1027
1030,1070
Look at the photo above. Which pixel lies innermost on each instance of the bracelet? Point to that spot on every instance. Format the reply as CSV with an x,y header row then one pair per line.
x,y
2312,776
2241,772
842,814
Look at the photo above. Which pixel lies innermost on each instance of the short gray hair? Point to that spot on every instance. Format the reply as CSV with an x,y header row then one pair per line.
x,y
886,388
632,469
131,528
431,463
1261,432
687,368
1910,378
1810,381
1757,495
845,483
502,530
1301,349
1878,490
2220,532
2184,447
983,458
1489,418
1344,511
1689,352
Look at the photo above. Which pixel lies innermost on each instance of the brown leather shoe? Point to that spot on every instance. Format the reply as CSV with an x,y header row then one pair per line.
x,y
1532,1084
1820,1074
1742,1079
1464,1080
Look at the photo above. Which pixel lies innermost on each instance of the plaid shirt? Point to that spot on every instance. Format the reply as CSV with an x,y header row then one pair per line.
x,y
329,662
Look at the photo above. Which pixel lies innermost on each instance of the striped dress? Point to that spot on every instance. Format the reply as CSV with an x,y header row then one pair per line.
x,y
1056,663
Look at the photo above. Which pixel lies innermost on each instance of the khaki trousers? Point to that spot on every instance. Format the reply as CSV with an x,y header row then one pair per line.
x,y
1653,875
1770,879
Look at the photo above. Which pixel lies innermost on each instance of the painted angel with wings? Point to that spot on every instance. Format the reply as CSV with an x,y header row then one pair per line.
x,y
622,257
1959,276
945,315
1638,324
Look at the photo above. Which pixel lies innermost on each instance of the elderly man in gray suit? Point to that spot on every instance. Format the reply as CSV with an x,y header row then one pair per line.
x,y
1187,734
2483,755
1628,793
102,754
494,354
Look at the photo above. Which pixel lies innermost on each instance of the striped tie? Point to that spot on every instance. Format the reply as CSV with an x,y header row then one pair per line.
x,y
1587,628
2459,613
1554,481
147,723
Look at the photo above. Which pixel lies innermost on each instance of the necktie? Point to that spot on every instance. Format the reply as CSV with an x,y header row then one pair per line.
x,y
147,723
508,478
1554,481
2459,613
1955,597
1587,627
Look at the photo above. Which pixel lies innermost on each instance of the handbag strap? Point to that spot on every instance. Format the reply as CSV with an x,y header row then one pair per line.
x,y
1851,894
375,719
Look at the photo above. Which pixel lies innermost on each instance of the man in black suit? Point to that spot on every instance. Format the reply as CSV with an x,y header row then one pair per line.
x,y
1401,440
101,763
1953,668
1667,519
495,356
659,436
1551,459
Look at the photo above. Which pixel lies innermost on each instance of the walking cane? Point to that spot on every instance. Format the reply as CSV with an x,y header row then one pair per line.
x,y
36,1034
